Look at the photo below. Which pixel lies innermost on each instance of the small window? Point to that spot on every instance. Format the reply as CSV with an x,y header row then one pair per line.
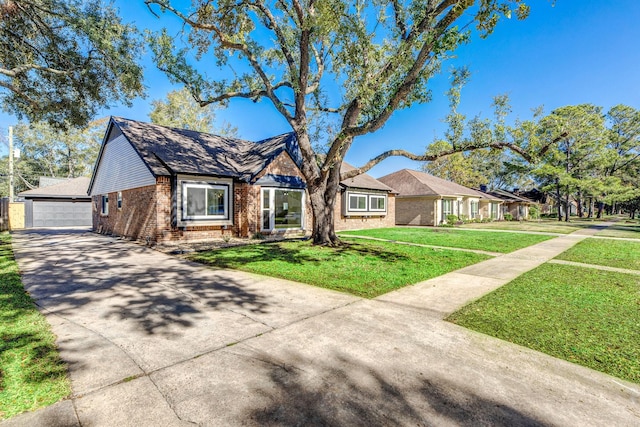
x,y
377,203
357,202
119,200
104,206
205,201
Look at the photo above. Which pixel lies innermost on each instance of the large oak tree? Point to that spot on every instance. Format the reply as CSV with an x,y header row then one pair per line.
x,y
350,64
63,60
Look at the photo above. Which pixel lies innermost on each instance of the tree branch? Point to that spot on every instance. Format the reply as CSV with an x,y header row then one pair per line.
x,y
529,157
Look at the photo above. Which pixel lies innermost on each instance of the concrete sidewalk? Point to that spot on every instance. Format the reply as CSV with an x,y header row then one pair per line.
x,y
154,340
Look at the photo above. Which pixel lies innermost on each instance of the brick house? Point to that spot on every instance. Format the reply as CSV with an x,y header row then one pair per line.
x,y
423,199
160,184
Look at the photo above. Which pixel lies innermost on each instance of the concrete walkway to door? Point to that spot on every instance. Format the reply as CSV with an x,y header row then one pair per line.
x,y
153,340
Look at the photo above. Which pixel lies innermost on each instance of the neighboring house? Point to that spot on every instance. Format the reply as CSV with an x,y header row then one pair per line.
x,y
423,199
365,202
155,183
61,204
513,204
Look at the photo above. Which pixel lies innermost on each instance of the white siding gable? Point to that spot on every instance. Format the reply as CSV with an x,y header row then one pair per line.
x,y
120,168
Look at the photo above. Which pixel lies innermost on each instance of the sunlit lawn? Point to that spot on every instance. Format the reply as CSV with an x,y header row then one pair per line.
x,y
626,228
361,268
607,252
544,225
587,316
31,373
453,238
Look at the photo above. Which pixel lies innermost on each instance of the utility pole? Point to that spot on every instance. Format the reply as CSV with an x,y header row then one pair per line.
x,y
11,164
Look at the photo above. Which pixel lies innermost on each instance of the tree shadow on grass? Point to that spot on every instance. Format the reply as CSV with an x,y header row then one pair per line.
x,y
293,252
341,390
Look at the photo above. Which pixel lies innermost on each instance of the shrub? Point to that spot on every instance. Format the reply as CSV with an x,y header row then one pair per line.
x,y
534,212
452,219
508,217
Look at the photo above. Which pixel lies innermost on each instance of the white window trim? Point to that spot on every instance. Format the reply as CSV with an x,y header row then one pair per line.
x,y
377,196
119,200
272,208
201,220
206,185
358,195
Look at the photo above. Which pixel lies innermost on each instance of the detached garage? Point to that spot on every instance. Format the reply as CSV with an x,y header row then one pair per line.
x,y
65,204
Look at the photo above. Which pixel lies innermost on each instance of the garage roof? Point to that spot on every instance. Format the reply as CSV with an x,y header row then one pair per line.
x,y
74,188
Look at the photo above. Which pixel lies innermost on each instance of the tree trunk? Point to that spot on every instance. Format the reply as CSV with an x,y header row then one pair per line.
x,y
600,208
323,199
590,213
559,200
567,207
579,201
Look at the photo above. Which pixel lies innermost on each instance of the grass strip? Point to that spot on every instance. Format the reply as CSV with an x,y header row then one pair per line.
x,y
449,237
31,372
362,268
610,253
590,317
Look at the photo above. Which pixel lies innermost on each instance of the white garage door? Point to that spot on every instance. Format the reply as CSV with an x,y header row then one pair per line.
x,y
61,214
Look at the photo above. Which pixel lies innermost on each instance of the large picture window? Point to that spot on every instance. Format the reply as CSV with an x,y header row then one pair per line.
x,y
202,201
282,209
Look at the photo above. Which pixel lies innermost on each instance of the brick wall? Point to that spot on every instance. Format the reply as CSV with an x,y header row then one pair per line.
x,y
136,220
414,211
362,222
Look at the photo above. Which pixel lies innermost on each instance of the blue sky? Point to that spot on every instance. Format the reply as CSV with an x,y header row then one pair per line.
x,y
576,51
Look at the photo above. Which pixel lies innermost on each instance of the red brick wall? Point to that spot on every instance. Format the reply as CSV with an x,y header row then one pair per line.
x,y
362,222
137,219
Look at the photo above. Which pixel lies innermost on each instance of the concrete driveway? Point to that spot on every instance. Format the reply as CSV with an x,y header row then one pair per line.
x,y
152,340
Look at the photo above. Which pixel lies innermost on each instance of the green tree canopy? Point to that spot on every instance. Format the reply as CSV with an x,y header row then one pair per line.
x,y
48,151
180,110
354,62
63,60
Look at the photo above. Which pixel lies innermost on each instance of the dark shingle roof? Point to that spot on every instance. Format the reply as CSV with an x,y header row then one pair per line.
x,y
170,150
74,187
364,181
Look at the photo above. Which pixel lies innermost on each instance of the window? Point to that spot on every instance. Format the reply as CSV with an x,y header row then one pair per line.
x,y
494,210
447,208
377,203
205,201
282,209
104,205
474,209
357,202
119,200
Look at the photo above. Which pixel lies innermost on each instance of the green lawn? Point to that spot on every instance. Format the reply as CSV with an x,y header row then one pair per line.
x,y
361,268
544,225
627,228
31,373
450,237
590,317
610,253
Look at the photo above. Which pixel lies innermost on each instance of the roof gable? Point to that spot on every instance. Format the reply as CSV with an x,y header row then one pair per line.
x,y
168,151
